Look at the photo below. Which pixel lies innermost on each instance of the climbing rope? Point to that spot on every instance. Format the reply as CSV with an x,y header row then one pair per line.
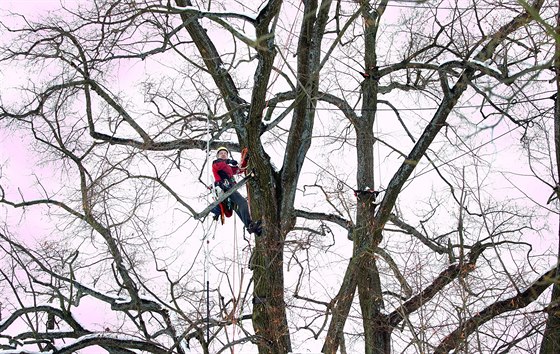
x,y
234,309
207,240
237,271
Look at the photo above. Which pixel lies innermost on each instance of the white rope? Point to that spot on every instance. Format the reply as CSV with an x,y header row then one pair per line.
x,y
206,236
234,285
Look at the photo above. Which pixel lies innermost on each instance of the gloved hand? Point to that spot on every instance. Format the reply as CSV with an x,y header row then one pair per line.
x,y
231,162
224,184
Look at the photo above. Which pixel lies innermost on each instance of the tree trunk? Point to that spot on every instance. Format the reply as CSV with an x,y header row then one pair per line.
x,y
551,337
376,333
376,329
269,310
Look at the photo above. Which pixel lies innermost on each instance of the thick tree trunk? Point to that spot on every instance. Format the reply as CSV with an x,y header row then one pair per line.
x,y
551,337
376,329
377,339
269,310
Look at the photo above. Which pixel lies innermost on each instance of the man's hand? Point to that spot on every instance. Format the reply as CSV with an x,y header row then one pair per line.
x,y
231,162
224,184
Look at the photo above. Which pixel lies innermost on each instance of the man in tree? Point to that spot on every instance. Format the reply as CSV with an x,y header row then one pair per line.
x,y
224,169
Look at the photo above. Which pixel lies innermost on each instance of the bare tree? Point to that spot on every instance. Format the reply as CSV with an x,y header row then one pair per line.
x,y
308,86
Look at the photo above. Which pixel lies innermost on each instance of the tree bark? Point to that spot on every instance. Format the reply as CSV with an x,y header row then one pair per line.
x,y
551,338
377,334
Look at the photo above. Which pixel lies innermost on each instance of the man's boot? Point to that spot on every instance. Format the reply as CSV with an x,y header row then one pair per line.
x,y
255,227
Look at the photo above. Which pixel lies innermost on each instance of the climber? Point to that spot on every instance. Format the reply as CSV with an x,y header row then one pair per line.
x,y
224,169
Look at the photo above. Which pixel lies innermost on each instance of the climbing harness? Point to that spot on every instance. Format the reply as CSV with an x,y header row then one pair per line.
x,y
227,187
226,206
224,196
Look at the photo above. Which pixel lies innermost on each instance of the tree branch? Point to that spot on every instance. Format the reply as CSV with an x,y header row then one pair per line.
x,y
443,279
513,303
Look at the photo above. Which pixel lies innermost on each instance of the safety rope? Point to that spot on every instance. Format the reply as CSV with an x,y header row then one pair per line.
x,y
237,271
234,309
207,239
